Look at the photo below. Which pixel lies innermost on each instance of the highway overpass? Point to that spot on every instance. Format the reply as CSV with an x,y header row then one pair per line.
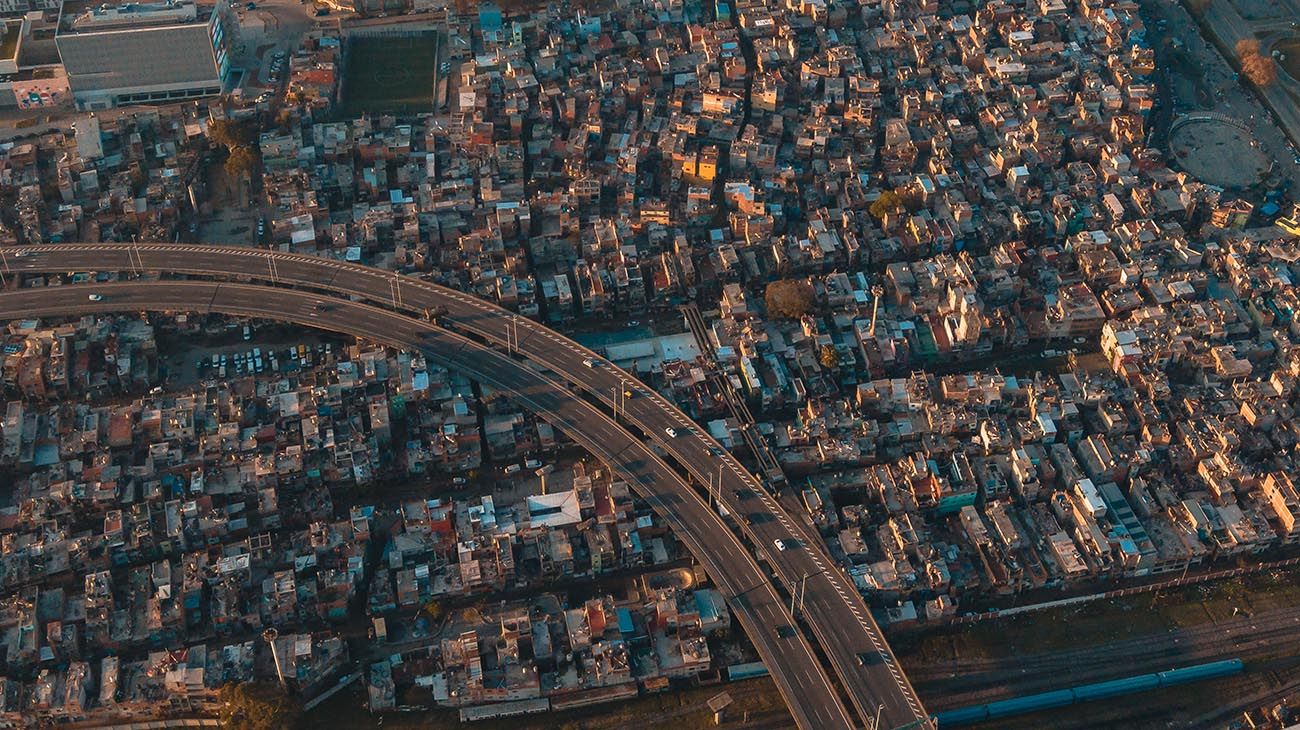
x,y
799,675
831,606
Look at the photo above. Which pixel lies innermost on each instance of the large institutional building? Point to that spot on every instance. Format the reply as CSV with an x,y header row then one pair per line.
x,y
138,53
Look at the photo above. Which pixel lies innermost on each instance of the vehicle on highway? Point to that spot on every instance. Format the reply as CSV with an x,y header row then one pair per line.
x,y
841,651
23,254
96,297
672,432
781,544
589,362
785,631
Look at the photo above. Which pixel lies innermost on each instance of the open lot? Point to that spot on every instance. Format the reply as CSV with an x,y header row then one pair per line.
x,y
390,74
757,703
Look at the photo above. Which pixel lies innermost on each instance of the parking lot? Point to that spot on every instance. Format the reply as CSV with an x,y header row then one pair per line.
x,y
258,354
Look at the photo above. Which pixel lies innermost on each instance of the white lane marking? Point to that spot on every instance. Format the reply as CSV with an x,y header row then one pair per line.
x,y
453,294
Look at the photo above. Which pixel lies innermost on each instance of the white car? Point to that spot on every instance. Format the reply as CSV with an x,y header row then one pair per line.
x,y
672,432
780,544
96,297
589,362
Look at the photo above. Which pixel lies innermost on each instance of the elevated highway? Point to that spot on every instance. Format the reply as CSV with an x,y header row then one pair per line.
x,y
828,601
804,685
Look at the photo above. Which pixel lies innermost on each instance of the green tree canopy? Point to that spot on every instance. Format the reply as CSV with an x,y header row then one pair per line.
x,y
242,161
229,133
888,202
258,706
829,357
789,298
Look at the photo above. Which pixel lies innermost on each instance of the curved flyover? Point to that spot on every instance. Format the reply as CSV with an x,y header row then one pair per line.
x,y
803,683
831,605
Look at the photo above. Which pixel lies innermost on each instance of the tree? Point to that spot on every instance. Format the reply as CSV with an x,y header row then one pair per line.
x,y
888,202
789,298
829,357
1261,70
228,133
285,120
1247,47
258,706
242,161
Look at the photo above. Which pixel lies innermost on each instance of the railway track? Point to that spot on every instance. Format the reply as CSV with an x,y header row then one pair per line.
x,y
979,681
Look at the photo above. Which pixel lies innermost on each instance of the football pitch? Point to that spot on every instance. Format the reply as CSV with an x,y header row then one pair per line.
x,y
390,74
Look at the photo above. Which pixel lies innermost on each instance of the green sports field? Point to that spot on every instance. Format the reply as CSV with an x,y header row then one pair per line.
x,y
388,74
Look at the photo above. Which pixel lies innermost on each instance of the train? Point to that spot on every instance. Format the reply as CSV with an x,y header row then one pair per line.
x,y
1085,693
747,670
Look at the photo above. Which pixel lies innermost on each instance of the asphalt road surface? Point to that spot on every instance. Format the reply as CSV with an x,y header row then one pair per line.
x,y
808,692
831,606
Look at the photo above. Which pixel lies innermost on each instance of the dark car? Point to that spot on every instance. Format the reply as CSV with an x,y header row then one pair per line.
x,y
785,631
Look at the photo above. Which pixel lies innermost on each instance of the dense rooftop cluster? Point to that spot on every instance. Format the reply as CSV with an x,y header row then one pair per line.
x,y
991,336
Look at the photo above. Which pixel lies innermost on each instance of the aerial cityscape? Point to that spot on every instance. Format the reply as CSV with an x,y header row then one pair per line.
x,y
666,364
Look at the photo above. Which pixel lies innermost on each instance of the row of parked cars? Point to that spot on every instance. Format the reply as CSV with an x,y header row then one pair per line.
x,y
254,361
278,61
